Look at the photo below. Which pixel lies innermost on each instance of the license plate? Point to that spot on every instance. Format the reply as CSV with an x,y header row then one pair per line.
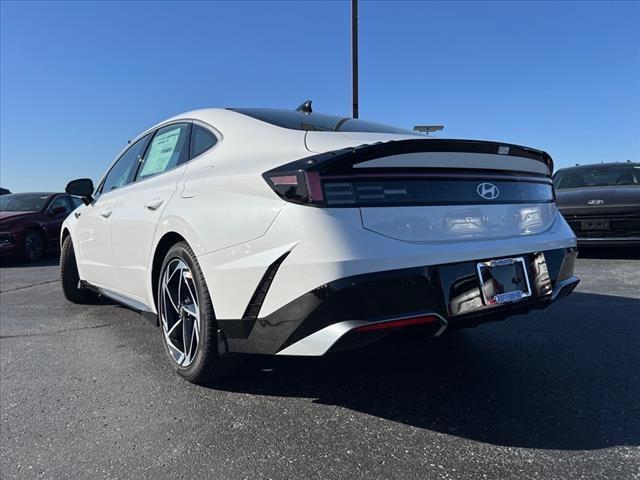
x,y
503,280
595,225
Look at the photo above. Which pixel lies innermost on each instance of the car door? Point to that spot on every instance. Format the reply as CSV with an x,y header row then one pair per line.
x,y
93,228
140,206
54,215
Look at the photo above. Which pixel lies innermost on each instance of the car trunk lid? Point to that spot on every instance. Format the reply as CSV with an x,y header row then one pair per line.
x,y
429,190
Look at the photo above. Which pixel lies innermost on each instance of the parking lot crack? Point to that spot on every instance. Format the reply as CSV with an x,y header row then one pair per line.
x,y
56,332
29,286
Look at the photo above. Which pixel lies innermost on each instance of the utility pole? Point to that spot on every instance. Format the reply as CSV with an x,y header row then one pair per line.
x,y
354,55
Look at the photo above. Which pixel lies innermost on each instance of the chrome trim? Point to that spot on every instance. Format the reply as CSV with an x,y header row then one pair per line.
x,y
320,342
98,191
503,261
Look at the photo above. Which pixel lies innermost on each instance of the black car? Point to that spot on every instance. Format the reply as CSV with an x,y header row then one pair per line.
x,y
601,202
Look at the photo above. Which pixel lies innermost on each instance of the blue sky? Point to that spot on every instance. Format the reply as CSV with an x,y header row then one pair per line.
x,y
79,79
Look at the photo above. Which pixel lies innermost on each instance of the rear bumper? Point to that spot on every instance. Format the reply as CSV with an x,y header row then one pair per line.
x,y
326,317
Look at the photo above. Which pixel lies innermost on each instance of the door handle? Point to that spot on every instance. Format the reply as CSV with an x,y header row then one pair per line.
x,y
153,204
106,213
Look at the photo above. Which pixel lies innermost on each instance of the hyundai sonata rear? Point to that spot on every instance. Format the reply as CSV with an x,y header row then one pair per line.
x,y
300,233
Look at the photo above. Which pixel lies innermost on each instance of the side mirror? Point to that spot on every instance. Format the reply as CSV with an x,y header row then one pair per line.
x,y
58,210
83,188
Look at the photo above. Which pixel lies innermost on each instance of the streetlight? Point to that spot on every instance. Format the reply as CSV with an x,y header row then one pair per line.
x,y
354,55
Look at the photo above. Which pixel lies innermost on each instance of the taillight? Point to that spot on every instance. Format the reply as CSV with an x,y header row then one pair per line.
x,y
345,178
297,187
412,190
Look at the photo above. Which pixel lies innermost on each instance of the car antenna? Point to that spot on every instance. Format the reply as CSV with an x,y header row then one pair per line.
x,y
428,128
305,108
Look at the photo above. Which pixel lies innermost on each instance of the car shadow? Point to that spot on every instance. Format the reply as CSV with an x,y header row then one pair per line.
x,y
49,260
563,378
622,253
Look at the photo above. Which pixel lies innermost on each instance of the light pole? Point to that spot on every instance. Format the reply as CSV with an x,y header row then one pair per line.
x,y
354,55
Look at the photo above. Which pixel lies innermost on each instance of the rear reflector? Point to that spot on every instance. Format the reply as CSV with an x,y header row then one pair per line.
x,y
405,322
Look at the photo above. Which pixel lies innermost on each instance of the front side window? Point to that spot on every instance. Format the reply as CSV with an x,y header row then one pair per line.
x,y
124,170
201,140
75,201
58,202
168,149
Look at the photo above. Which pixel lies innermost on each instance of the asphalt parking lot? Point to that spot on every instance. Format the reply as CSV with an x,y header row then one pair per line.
x,y
86,392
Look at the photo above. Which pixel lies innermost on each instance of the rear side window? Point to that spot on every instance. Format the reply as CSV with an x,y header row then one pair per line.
x,y
201,140
124,170
168,149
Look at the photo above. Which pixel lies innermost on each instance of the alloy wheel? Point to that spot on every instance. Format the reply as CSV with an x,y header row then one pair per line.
x,y
33,246
179,312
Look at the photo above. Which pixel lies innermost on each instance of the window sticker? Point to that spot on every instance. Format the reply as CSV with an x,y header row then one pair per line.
x,y
161,151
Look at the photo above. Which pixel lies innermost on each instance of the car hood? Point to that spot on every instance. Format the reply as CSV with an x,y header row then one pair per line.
x,y
601,198
6,215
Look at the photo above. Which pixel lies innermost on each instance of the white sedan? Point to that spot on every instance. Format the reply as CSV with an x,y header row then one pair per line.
x,y
295,233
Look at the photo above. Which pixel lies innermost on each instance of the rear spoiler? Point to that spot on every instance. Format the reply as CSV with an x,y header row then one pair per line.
x,y
343,160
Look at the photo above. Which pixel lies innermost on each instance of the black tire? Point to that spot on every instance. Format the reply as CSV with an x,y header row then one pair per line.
x,y
34,245
208,364
70,278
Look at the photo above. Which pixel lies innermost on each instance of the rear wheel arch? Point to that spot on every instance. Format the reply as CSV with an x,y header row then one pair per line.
x,y
167,241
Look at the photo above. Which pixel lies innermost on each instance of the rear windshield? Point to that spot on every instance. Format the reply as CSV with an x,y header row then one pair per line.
x,y
317,121
23,202
597,176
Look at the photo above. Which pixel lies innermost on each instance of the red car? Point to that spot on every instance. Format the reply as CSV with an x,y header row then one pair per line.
x,y
30,222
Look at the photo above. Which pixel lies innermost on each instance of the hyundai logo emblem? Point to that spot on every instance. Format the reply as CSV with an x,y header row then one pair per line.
x,y
595,202
488,191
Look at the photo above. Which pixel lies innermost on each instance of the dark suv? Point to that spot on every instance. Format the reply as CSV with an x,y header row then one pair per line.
x,y
601,202
30,222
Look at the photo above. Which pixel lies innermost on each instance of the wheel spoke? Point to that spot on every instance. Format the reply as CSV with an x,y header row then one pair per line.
x,y
173,327
190,309
168,294
194,298
178,267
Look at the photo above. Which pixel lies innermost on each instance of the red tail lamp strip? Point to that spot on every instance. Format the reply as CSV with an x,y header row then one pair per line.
x,y
285,180
407,322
